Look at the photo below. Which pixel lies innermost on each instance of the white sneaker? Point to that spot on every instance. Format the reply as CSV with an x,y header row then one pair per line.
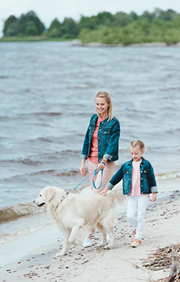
x,y
108,237
87,243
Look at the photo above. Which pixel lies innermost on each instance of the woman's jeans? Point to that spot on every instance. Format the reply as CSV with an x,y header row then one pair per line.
x,y
107,175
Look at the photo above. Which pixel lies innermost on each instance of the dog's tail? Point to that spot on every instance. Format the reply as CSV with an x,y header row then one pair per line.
x,y
116,195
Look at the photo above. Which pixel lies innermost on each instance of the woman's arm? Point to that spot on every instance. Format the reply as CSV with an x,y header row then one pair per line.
x,y
85,145
113,142
83,167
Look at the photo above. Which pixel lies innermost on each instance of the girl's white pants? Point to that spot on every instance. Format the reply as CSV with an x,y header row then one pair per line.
x,y
136,211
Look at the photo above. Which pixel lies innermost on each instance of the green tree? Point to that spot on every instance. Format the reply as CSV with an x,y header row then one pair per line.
x,y
122,19
70,28
31,29
88,22
25,25
148,16
55,24
55,29
133,16
30,24
165,15
12,30
10,26
105,18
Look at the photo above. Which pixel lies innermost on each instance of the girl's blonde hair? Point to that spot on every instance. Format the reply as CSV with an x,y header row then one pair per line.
x,y
138,143
103,94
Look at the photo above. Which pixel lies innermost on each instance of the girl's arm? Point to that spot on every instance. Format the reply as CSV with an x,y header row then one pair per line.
x,y
151,180
114,180
154,197
104,191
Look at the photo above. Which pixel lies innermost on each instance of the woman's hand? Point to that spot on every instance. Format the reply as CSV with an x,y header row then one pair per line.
x,y
100,166
104,191
83,167
154,197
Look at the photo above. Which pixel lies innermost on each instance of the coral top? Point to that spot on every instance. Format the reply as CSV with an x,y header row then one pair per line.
x,y
135,181
93,157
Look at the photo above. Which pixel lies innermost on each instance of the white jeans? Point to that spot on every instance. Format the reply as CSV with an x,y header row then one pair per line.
x,y
136,211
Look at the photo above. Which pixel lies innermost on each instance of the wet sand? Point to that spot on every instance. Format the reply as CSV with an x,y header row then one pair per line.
x,y
122,263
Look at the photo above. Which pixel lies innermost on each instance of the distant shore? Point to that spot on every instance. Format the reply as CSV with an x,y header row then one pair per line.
x,y
77,42
31,39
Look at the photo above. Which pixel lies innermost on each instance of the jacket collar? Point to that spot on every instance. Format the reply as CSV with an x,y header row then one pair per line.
x,y
105,121
142,162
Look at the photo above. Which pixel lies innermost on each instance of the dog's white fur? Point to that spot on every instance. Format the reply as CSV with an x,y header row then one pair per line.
x,y
76,216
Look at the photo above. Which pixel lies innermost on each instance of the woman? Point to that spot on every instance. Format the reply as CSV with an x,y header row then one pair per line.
x,y
101,145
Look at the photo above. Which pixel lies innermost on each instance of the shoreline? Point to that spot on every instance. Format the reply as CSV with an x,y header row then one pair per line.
x,y
32,39
77,42
97,264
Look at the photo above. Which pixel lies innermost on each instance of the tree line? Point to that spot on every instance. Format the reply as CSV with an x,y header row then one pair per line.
x,y
120,28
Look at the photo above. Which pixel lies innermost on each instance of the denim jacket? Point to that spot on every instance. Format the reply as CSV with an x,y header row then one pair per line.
x,y
108,139
147,178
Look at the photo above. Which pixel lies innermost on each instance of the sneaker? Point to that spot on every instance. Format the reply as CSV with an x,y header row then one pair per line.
x,y
108,238
87,243
136,243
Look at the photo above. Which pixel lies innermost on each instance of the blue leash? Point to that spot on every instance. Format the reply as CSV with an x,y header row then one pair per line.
x,y
95,172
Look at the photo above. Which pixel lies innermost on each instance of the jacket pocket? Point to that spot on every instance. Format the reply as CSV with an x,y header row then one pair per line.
x,y
126,177
105,134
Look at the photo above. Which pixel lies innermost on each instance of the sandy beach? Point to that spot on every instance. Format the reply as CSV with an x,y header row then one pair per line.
x,y
122,263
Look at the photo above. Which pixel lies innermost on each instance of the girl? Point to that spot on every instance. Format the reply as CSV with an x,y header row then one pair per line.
x,y
101,145
138,182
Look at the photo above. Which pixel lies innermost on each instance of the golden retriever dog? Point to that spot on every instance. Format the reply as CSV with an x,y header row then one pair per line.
x,y
76,215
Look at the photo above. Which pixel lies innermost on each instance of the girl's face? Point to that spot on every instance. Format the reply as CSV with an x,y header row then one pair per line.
x,y
102,106
136,153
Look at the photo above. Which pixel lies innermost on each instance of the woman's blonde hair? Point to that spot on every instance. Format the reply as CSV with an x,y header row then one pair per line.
x,y
138,143
103,94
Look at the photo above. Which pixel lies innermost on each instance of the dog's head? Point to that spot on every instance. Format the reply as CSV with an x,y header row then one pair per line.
x,y
48,194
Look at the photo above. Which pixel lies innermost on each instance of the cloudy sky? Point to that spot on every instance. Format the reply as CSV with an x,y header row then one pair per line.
x,y
47,10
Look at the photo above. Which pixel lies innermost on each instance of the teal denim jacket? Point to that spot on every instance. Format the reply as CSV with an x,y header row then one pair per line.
x,y
108,139
147,178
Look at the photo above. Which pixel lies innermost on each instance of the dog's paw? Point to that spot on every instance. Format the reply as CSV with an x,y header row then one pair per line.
x,y
109,246
75,242
62,253
102,243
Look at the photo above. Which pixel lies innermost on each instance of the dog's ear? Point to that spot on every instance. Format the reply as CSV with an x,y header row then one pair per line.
x,y
50,194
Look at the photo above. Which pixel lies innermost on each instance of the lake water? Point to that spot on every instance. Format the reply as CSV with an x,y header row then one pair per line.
x,y
47,92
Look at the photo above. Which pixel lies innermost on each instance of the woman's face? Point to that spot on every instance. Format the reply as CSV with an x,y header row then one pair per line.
x,y
102,106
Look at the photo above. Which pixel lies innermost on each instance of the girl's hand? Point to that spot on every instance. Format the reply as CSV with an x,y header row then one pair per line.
x,y
83,168
104,191
100,166
154,197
